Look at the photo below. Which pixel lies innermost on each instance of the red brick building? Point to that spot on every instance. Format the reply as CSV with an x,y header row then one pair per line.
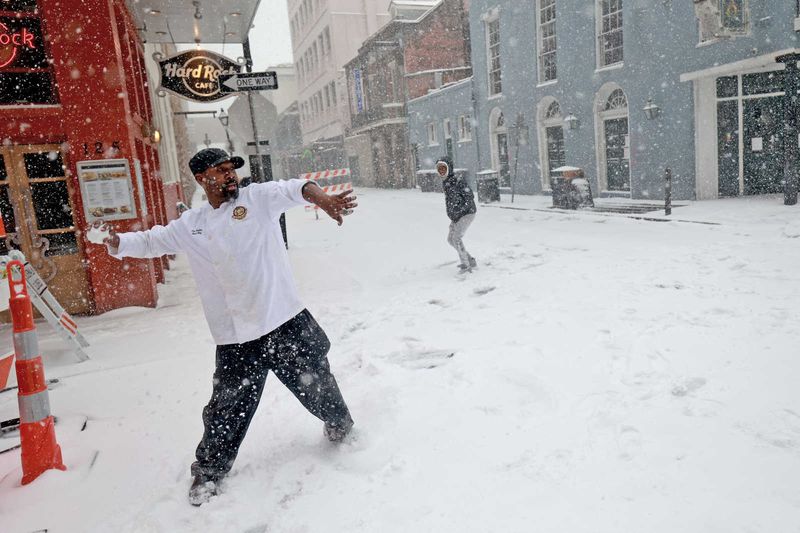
x,y
425,46
73,93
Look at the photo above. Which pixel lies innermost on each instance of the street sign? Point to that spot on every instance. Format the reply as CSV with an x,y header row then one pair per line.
x,y
250,81
260,143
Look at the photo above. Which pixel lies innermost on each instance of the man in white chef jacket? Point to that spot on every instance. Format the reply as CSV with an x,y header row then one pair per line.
x,y
241,267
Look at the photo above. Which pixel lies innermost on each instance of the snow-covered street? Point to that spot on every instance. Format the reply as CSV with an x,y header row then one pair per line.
x,y
594,374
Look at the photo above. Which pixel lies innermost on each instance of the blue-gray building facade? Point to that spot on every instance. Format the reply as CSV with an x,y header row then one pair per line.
x,y
442,123
624,89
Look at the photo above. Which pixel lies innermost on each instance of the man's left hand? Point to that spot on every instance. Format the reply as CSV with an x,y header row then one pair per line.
x,y
336,206
339,205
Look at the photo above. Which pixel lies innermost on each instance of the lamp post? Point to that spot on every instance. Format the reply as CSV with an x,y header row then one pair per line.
x,y
521,135
225,119
571,122
791,108
651,110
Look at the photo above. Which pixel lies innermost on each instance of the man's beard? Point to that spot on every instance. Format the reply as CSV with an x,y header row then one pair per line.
x,y
230,193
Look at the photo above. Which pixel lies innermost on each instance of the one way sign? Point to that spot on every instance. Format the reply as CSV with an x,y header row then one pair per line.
x,y
249,81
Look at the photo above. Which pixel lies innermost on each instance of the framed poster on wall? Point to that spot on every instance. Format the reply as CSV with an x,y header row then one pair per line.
x,y
106,189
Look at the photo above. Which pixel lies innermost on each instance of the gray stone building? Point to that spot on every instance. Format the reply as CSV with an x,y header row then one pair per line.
x,y
624,89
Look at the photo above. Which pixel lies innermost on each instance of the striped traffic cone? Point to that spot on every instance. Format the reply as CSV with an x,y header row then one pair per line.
x,y
40,451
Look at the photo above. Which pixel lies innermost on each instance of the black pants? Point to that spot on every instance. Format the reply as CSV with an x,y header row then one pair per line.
x,y
297,353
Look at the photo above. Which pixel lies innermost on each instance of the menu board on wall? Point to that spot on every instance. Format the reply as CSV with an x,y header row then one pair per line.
x,y
106,189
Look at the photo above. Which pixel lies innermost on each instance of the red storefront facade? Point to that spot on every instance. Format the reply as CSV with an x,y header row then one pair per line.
x,y
73,89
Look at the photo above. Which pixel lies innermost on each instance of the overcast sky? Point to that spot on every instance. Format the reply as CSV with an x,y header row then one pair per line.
x,y
270,40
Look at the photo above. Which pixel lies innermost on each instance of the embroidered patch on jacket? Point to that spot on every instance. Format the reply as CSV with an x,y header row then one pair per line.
x,y
240,212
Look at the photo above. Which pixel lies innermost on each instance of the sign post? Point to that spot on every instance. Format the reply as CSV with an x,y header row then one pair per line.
x,y
250,81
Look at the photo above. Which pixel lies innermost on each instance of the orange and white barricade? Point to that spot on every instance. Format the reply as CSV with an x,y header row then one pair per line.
x,y
331,182
40,451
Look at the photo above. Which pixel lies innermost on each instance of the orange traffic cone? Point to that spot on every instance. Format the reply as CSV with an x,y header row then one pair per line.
x,y
40,451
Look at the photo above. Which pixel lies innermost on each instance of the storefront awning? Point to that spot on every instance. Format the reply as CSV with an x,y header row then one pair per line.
x,y
193,21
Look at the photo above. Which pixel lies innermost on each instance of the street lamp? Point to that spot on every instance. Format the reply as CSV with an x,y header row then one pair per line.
x,y
651,110
571,121
225,119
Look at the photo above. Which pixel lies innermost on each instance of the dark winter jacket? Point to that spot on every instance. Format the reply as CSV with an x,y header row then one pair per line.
x,y
458,196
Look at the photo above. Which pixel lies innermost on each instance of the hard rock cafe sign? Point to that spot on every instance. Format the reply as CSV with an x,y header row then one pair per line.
x,y
11,43
195,75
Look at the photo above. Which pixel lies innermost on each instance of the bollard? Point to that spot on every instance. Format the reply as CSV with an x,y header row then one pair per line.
x,y
40,451
668,192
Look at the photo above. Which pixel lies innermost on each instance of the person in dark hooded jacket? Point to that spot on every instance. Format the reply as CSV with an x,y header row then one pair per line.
x,y
461,210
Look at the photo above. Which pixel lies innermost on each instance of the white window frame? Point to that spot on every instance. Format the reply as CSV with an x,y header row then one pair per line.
x,y
600,34
797,17
540,39
464,128
432,134
490,20
448,129
544,122
601,115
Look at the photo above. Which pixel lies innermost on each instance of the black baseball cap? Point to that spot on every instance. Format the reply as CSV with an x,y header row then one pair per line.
x,y
211,157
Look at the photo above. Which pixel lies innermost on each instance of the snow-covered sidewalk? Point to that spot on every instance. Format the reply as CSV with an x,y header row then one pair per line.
x,y
595,374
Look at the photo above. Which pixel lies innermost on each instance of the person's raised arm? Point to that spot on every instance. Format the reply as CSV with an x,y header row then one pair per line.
x,y
155,242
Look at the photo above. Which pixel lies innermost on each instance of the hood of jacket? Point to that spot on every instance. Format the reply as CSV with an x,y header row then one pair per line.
x,y
449,162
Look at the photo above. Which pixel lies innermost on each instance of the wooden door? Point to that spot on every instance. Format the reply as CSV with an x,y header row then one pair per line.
x,y
37,210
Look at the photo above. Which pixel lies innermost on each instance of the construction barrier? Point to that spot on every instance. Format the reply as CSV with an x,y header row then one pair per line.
x,y
325,174
331,182
40,451
49,307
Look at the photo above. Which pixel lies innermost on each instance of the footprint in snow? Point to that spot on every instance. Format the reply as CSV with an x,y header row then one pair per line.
x,y
480,291
688,387
629,441
422,360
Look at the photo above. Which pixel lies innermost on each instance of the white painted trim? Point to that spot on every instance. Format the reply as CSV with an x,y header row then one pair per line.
x,y
797,24
384,122
539,43
493,133
755,64
615,66
541,128
547,83
706,136
600,118
492,16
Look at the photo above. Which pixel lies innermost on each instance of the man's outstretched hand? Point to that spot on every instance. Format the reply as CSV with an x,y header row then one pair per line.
x,y
336,206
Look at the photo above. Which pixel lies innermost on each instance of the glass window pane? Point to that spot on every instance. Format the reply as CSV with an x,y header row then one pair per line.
x,y
7,210
763,82
44,165
51,205
61,244
19,5
27,88
727,87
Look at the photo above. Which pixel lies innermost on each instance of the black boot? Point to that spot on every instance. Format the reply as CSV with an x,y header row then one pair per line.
x,y
202,490
337,432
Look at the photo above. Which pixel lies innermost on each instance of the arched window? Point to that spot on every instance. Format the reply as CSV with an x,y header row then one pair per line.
x,y
498,140
613,139
550,124
616,100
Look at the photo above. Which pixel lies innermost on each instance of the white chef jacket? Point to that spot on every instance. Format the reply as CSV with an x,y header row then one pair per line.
x,y
238,258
